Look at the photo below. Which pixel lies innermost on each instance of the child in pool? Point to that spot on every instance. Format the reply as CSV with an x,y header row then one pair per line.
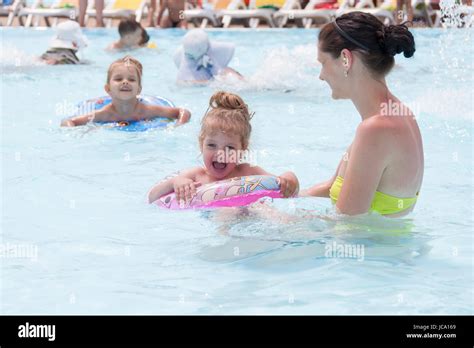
x,y
64,46
123,85
225,130
199,60
132,35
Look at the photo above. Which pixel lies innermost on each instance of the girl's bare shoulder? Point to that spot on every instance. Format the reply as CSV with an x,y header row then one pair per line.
x,y
103,115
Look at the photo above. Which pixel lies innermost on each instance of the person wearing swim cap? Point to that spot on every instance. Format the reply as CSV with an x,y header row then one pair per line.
x,y
65,44
199,59
382,170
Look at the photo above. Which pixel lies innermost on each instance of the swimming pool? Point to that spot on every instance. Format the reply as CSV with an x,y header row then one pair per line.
x,y
78,237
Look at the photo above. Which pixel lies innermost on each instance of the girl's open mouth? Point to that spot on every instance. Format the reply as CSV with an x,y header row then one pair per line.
x,y
219,165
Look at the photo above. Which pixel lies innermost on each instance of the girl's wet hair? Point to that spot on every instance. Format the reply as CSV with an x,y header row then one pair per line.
x,y
130,62
229,114
363,32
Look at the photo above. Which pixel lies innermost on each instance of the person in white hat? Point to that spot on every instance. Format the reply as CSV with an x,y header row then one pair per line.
x,y
65,44
200,60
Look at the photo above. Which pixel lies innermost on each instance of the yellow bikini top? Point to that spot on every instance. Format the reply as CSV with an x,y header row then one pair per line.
x,y
381,203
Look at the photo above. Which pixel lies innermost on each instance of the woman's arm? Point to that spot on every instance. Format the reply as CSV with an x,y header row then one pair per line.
x,y
321,189
369,156
318,190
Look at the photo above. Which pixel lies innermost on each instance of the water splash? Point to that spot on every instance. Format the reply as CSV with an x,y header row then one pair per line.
x,y
281,69
444,104
451,95
455,15
11,58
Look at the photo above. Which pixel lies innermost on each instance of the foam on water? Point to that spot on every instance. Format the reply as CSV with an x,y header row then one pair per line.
x,y
281,68
14,60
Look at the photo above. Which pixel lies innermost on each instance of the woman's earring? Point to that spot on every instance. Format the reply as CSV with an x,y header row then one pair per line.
x,y
345,73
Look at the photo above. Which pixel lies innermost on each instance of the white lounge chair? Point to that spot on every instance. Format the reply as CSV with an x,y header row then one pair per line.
x,y
120,9
208,14
367,6
305,17
10,9
424,9
59,9
256,11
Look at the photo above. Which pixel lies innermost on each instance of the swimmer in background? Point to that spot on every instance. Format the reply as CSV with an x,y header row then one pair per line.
x,y
132,36
123,85
65,44
224,137
200,60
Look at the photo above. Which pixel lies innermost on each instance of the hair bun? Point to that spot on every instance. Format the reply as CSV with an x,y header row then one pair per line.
x,y
229,101
228,114
396,39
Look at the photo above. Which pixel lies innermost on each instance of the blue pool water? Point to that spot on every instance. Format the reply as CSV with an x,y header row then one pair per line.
x,y
75,199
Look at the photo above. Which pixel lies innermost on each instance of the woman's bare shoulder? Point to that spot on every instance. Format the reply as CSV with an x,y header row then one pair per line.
x,y
379,128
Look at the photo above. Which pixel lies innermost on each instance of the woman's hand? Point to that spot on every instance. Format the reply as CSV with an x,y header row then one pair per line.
x,y
289,185
184,189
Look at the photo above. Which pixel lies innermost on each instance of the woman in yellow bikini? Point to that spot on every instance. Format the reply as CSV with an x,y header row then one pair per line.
x,y
382,170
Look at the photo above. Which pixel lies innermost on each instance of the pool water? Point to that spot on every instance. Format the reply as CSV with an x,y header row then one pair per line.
x,y
77,197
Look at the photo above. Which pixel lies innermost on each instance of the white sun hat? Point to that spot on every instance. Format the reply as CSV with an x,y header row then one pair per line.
x,y
68,35
198,52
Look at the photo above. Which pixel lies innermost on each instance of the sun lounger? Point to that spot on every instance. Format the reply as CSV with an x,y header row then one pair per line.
x,y
120,9
305,17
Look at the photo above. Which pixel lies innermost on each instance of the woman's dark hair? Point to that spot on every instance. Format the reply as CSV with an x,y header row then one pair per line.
x,y
130,25
363,32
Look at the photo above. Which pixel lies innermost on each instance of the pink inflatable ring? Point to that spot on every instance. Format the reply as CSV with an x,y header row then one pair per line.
x,y
234,192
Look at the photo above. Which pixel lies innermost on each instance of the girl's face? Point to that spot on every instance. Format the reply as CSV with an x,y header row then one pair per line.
x,y
132,39
332,71
123,83
221,152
